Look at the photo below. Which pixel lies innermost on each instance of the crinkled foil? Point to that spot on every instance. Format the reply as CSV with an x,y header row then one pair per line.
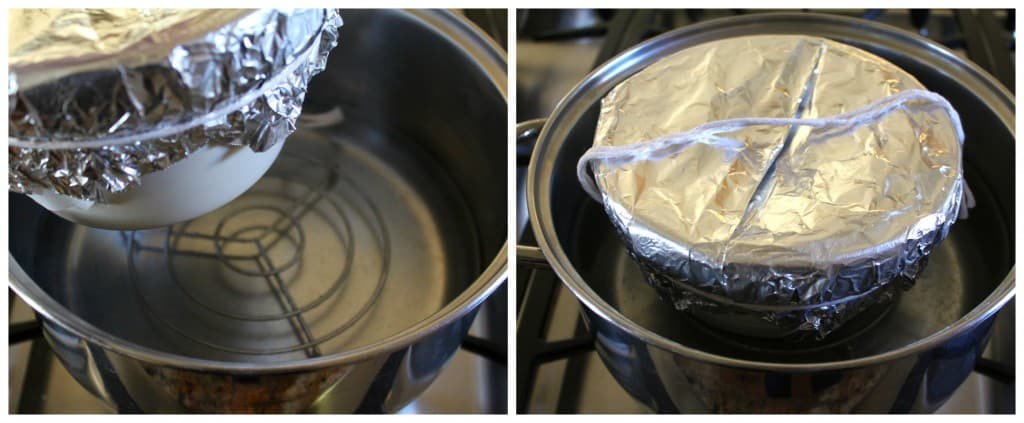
x,y
816,231
167,81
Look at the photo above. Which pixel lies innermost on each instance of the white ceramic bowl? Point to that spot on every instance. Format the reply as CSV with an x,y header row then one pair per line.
x,y
202,182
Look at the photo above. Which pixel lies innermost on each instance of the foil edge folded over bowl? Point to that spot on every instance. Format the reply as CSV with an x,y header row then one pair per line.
x,y
154,80
95,171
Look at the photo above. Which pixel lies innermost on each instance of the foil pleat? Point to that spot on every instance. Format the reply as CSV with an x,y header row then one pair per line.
x,y
800,228
124,93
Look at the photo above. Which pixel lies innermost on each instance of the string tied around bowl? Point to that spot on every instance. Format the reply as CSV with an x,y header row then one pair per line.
x,y
835,126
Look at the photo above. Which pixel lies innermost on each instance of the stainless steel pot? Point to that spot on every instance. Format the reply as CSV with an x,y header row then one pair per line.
x,y
343,281
906,358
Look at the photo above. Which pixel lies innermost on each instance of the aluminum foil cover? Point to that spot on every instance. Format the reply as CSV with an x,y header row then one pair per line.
x,y
781,221
101,97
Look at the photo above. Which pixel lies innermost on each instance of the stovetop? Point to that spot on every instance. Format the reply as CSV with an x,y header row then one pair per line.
x,y
559,372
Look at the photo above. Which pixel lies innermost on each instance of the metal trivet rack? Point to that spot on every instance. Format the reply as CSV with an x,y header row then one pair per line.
x,y
242,243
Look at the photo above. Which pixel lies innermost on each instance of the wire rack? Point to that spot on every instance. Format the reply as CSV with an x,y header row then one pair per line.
x,y
241,244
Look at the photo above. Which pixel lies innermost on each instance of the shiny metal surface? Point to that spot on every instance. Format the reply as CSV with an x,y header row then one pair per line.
x,y
142,93
791,225
53,43
598,392
405,194
906,359
526,137
39,383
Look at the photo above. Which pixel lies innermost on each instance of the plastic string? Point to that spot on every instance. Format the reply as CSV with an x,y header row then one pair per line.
x,y
669,145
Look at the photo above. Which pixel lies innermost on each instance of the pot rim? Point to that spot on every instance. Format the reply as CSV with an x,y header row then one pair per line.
x,y
539,187
492,61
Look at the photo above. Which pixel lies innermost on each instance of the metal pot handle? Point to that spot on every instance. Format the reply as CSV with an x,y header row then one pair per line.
x,y
526,137
532,257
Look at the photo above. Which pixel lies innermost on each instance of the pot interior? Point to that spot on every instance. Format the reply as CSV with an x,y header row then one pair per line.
x,y
385,205
961,272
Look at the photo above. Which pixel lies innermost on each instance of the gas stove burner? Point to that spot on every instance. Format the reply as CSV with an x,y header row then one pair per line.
x,y
245,267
